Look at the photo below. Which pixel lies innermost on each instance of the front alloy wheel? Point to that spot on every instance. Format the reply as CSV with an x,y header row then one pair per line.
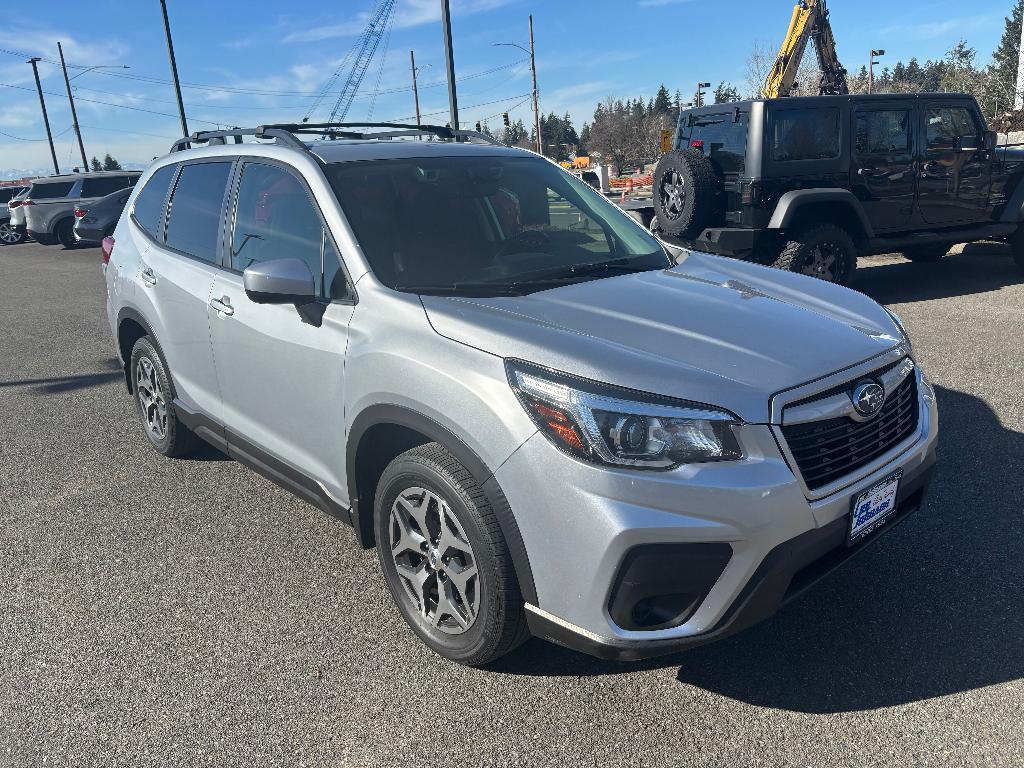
x,y
434,560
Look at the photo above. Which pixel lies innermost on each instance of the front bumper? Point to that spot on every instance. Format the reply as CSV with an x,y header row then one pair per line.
x,y
580,521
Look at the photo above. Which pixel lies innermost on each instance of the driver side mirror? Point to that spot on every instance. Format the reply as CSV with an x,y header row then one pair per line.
x,y
280,281
990,139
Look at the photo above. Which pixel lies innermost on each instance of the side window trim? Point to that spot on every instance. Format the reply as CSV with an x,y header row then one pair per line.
x,y
325,230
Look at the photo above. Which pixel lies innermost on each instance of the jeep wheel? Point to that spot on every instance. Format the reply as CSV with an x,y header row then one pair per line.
x,y
1017,247
65,234
824,251
9,235
444,558
926,253
154,401
686,193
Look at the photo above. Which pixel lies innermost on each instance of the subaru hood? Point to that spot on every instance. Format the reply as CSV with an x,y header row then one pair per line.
x,y
711,330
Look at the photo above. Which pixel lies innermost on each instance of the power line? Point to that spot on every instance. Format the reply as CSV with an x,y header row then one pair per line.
x,y
471,106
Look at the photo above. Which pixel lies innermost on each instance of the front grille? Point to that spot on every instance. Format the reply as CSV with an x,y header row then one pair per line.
x,y
827,450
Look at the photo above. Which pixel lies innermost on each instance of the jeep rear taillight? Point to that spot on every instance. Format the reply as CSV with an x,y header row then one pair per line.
x,y
107,246
750,193
697,144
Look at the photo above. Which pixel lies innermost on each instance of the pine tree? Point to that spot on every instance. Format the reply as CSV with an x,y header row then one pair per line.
x,y
96,165
110,164
726,92
662,102
1003,70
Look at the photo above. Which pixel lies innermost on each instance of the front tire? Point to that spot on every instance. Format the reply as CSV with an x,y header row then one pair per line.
x,y
9,235
444,558
154,400
824,251
65,234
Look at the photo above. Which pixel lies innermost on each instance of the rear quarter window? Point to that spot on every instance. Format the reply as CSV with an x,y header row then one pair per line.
x,y
804,134
149,205
721,138
49,190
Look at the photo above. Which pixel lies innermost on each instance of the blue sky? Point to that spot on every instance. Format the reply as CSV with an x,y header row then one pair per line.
x,y
258,64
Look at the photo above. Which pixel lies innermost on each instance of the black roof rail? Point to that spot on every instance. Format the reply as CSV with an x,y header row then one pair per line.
x,y
288,133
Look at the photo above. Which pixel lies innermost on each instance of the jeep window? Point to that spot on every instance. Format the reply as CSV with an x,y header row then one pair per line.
x,y
149,205
882,131
50,190
944,125
486,225
721,138
276,219
804,134
193,223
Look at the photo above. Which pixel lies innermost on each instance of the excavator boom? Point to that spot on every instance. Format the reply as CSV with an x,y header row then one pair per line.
x,y
808,22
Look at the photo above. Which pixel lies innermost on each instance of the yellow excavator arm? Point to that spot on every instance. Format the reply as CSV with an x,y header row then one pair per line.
x,y
809,22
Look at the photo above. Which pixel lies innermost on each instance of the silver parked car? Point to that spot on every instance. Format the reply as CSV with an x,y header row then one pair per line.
x,y
10,199
545,422
49,207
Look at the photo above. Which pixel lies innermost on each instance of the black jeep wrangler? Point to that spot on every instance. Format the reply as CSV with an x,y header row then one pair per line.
x,y
809,183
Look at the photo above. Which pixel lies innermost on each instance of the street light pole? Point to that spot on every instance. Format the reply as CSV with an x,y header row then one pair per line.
x,y
415,91
174,68
871,67
46,120
449,60
699,97
74,113
536,107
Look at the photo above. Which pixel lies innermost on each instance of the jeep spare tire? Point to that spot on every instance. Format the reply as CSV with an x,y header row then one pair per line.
x,y
686,193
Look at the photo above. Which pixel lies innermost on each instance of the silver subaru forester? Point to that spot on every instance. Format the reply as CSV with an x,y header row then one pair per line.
x,y
548,422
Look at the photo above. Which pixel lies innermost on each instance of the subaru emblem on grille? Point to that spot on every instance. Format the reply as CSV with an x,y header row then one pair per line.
x,y
868,398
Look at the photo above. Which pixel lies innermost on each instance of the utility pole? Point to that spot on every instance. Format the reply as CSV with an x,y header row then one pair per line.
x,y
46,120
536,106
871,67
449,60
174,68
74,113
415,91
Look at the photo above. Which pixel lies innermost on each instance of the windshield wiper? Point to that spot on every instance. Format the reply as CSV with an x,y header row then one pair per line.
x,y
464,289
574,271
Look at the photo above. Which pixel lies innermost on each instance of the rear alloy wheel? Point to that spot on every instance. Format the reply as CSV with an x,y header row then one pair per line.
x,y
824,251
9,235
65,234
154,401
444,558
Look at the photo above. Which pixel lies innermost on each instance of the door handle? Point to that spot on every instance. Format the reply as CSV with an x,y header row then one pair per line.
x,y
148,276
223,305
866,171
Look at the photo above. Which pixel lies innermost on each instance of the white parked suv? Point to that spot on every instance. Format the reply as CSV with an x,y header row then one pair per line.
x,y
545,421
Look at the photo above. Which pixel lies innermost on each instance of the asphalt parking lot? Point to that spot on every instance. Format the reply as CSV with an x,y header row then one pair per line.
x,y
159,612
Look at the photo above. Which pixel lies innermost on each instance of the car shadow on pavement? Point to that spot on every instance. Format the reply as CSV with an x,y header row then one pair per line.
x,y
979,268
58,384
933,609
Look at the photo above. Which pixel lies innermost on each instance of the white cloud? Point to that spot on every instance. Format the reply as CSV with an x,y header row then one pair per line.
x,y
408,13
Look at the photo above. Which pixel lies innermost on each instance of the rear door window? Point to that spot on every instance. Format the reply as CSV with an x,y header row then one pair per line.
x,y
720,137
50,190
149,205
882,131
193,218
101,186
804,134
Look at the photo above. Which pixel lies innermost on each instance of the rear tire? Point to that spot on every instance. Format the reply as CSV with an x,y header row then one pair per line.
x,y
9,235
1017,247
154,400
824,251
926,253
434,525
65,234
686,193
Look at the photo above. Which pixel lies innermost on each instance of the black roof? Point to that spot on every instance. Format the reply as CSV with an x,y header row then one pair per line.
x,y
818,101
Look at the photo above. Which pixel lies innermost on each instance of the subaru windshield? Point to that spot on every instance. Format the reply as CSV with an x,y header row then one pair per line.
x,y
478,226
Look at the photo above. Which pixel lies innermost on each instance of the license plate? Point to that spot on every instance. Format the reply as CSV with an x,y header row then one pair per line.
x,y
874,506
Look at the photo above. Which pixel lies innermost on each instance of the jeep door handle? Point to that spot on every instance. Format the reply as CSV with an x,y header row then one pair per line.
x,y
148,276
223,305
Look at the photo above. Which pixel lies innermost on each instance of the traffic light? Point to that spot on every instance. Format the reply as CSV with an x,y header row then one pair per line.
x,y
478,126
504,117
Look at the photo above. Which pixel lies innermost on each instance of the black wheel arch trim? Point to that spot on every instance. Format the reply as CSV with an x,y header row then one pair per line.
x,y
791,202
362,508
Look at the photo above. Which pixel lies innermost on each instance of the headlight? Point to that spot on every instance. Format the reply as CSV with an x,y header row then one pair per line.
x,y
899,324
616,426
